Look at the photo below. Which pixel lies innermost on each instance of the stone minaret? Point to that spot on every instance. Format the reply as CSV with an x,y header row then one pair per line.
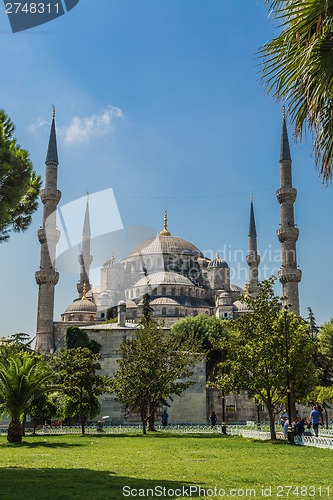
x,y
289,274
253,259
85,259
47,277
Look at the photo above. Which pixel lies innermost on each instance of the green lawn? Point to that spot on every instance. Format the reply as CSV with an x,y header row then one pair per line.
x,y
99,467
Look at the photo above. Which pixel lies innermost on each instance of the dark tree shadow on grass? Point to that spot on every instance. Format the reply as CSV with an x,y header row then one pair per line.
x,y
84,484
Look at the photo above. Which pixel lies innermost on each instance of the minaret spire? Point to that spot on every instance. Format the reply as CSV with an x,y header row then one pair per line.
x,y
47,277
85,259
289,274
252,258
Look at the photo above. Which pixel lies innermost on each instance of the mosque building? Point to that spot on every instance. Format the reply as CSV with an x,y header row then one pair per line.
x,y
180,280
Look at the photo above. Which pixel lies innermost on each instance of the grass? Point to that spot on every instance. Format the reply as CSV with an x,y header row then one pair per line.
x,y
98,467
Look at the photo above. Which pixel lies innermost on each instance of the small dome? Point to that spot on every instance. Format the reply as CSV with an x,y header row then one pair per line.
x,y
131,303
81,305
217,262
241,306
164,278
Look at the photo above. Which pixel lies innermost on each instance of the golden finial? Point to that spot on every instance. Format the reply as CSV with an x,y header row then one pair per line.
x,y
165,231
53,111
217,255
84,290
113,260
246,288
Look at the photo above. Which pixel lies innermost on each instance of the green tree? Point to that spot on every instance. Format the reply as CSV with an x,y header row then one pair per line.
x,y
324,357
19,184
298,68
208,331
154,366
256,360
75,337
23,379
75,371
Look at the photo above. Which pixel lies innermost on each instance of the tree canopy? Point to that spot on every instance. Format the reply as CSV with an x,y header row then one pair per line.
x,y
256,352
19,184
208,332
298,68
155,365
75,372
23,379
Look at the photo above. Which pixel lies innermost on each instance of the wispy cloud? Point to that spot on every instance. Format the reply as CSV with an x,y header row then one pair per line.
x,y
35,126
84,129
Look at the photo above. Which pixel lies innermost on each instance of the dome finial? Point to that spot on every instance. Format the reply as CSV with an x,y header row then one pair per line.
x,y
84,296
53,111
246,288
165,231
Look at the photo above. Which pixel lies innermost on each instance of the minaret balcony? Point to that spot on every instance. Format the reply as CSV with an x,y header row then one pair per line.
x,y
47,277
290,276
287,233
51,196
286,195
253,259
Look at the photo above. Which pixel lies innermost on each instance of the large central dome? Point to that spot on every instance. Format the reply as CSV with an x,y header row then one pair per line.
x,y
166,245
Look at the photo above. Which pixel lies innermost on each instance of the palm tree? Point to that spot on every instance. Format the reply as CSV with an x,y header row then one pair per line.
x,y
23,379
298,68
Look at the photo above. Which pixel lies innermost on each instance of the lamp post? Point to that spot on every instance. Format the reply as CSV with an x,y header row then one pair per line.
x,y
290,429
224,425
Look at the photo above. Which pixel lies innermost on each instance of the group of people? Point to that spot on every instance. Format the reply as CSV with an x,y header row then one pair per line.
x,y
299,424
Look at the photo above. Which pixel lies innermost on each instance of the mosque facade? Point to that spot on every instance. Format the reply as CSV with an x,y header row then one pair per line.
x,y
180,280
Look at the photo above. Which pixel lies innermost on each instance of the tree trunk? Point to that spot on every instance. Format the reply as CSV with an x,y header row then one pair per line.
x,y
151,419
271,422
326,416
23,424
14,434
144,421
83,423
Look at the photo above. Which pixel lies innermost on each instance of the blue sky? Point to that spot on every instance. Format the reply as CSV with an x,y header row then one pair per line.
x,y
162,102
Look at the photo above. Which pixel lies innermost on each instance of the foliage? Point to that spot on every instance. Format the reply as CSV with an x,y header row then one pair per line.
x,y
19,185
75,371
23,379
298,67
256,360
324,356
75,337
14,344
147,311
154,366
208,331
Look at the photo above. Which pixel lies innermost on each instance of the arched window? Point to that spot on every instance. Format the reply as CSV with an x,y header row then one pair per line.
x,y
163,311
173,291
164,291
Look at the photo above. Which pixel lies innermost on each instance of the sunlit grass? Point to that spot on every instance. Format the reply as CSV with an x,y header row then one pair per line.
x,y
99,467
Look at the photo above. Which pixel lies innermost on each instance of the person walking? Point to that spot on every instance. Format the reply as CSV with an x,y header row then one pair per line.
x,y
165,418
213,419
315,419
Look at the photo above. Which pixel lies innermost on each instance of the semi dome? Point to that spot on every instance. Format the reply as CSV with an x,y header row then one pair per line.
x,y
164,301
164,278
